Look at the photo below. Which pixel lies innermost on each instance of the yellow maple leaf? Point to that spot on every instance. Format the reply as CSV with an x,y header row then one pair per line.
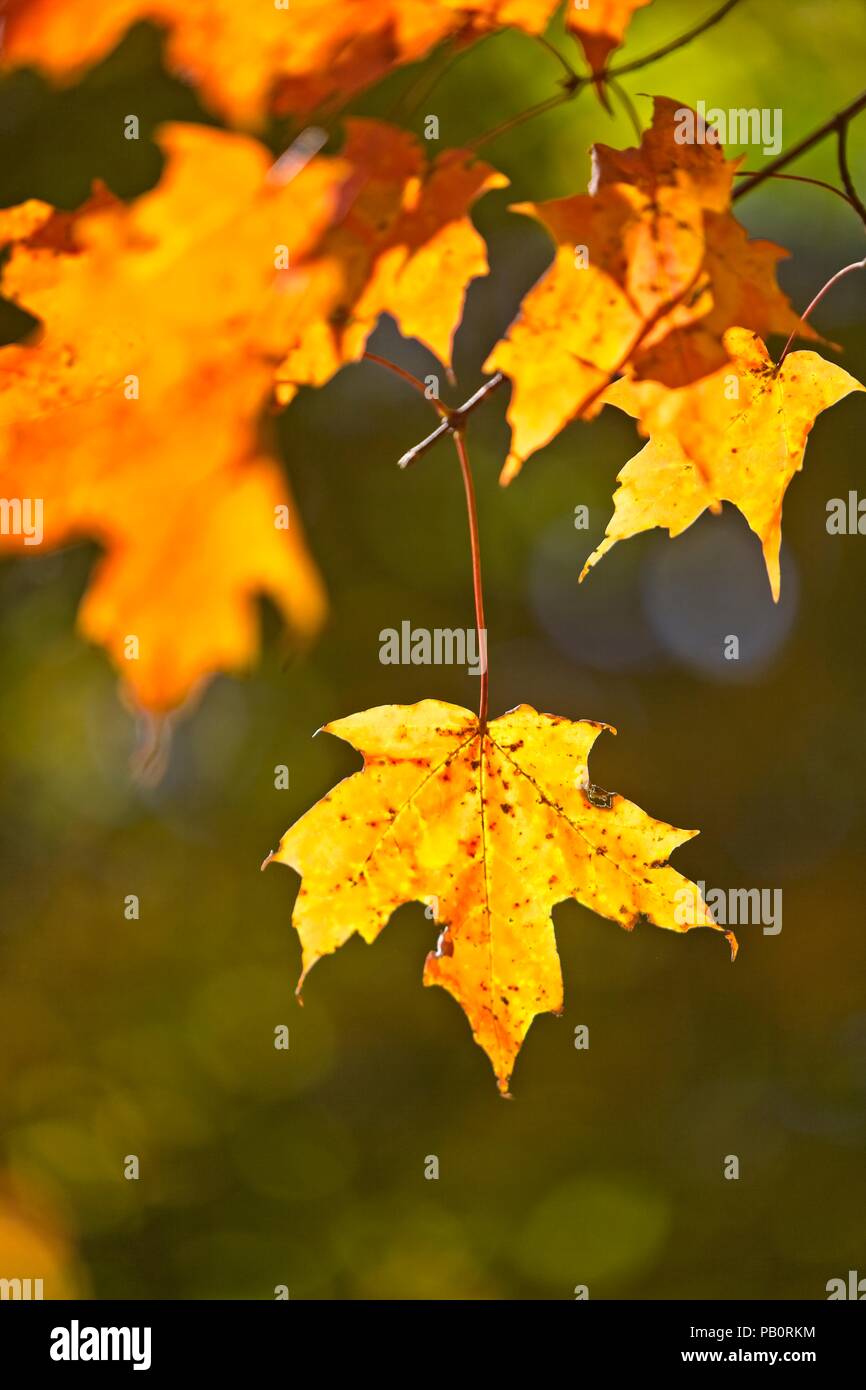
x,y
738,435
491,830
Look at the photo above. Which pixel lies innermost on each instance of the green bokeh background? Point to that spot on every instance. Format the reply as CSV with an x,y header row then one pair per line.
x,y
155,1037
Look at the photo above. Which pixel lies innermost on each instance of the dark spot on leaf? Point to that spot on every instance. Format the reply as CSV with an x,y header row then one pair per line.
x,y
598,797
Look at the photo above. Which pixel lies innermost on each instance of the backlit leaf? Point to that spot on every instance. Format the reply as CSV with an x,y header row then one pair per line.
x,y
492,831
738,435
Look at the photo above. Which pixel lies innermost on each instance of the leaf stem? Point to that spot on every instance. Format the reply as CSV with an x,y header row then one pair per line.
x,y
472,512
627,105
407,376
454,423
846,270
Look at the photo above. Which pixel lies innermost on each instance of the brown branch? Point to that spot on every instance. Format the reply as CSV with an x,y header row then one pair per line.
x,y
674,43
627,105
842,156
570,75
569,90
574,82
801,178
453,422
407,376
835,123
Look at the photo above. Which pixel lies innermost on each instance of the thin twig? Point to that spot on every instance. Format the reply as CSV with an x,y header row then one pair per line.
x,y
835,123
846,270
574,83
453,422
628,105
422,86
407,376
674,43
800,178
842,154
413,454
538,110
480,624
570,74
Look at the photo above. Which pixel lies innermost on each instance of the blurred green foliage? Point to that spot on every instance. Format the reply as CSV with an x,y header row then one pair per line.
x,y
261,1167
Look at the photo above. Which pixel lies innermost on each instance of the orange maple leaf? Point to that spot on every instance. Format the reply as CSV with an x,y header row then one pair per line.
x,y
405,247
738,435
738,285
292,55
601,26
167,326
133,413
491,830
650,270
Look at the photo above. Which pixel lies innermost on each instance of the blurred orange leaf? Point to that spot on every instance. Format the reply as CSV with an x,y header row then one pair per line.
x,y
492,831
132,413
292,55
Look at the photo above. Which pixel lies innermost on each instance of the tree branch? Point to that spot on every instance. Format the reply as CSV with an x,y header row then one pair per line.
x,y
453,422
835,123
842,154
801,178
674,43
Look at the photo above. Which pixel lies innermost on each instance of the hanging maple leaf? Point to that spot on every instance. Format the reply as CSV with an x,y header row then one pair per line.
x,y
650,270
133,412
738,281
405,247
583,321
738,436
291,55
491,830
601,26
